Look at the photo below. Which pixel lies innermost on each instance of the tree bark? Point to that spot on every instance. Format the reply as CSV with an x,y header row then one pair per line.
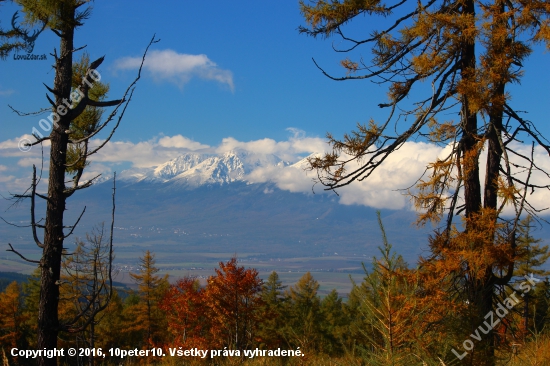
x,y
50,263
469,139
480,291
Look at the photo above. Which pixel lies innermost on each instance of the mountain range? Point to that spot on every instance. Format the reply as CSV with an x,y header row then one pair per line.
x,y
193,170
211,204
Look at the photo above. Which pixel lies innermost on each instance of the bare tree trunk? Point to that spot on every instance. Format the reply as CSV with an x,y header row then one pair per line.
x,y
48,322
479,290
472,187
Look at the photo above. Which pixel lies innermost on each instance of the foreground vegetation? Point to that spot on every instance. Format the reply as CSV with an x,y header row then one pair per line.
x,y
396,316
443,311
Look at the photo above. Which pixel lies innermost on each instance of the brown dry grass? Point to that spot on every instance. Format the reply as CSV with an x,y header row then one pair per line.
x,y
534,352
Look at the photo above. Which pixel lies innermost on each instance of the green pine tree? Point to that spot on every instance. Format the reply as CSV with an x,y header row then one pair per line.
x,y
108,332
272,310
31,291
303,314
335,324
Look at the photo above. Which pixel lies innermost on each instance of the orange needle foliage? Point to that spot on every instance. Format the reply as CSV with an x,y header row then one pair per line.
x,y
470,51
11,316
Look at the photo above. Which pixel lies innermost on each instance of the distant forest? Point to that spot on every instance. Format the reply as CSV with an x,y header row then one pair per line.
x,y
395,316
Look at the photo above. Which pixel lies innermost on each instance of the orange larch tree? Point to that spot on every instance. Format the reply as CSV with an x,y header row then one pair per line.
x,y
12,317
145,316
470,52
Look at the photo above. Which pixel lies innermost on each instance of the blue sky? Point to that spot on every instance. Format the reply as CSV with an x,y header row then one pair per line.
x,y
252,80
275,82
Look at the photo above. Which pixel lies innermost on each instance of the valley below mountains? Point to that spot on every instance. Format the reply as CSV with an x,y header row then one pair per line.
x,y
199,209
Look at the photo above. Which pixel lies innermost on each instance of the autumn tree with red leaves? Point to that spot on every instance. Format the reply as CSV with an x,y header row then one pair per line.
x,y
233,298
185,310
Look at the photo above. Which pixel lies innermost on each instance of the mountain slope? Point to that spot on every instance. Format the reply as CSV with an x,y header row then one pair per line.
x,y
228,167
244,218
192,170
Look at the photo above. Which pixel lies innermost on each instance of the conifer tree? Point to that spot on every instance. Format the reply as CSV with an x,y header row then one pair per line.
x,y
108,332
132,333
391,311
270,330
303,314
147,317
31,292
62,17
234,302
530,257
541,307
12,317
335,324
470,52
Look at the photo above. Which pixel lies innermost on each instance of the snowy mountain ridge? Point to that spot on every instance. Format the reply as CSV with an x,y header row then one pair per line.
x,y
196,169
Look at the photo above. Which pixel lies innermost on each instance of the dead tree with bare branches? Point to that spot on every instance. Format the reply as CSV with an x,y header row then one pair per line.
x,y
69,102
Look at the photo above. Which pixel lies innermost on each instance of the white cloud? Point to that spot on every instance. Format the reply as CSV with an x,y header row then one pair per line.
x,y
96,169
29,162
400,170
180,141
5,179
540,198
15,147
161,149
7,92
292,149
384,189
178,68
381,190
290,178
141,154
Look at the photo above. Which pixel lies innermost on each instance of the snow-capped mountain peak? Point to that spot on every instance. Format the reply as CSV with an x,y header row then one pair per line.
x,y
225,168
195,169
178,165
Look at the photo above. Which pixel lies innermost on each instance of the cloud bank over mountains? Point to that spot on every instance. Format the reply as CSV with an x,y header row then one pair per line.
x,y
281,163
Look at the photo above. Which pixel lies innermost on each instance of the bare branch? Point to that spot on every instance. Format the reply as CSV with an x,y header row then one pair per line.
x,y
111,103
85,312
21,255
75,224
15,225
129,91
68,192
33,221
54,92
24,114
